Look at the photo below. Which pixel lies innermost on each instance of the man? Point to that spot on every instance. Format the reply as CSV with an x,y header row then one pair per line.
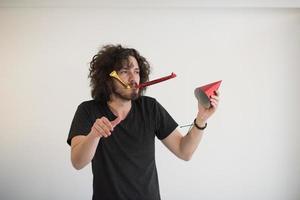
x,y
116,130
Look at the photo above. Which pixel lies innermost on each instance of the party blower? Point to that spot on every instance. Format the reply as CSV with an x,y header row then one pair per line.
x,y
115,75
204,93
142,85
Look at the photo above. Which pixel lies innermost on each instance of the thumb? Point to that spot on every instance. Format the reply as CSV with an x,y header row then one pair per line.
x,y
116,121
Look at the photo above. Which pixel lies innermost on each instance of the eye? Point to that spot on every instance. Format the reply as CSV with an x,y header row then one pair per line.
x,y
137,72
123,72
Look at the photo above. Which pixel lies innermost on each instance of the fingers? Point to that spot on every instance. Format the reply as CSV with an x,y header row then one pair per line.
x,y
216,96
108,124
214,103
217,93
116,121
103,127
214,99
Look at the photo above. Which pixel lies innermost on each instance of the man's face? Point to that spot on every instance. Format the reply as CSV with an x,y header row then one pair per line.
x,y
129,74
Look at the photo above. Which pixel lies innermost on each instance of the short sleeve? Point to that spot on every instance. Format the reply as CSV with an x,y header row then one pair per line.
x,y
164,123
81,124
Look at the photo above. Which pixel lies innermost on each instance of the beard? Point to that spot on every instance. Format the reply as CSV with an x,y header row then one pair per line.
x,y
125,95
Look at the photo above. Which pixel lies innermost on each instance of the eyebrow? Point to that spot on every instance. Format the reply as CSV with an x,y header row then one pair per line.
x,y
129,67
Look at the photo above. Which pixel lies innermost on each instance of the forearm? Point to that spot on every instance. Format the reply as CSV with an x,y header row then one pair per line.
x,y
83,152
191,140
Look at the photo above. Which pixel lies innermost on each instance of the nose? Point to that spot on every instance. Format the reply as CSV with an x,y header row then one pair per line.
x,y
132,77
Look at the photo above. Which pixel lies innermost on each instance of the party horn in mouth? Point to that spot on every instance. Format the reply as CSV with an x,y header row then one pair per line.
x,y
115,75
156,81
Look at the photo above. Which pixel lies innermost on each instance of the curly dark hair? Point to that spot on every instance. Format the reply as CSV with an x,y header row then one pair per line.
x,y
109,58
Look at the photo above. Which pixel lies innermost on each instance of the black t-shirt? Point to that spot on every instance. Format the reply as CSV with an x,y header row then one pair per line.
x,y
124,163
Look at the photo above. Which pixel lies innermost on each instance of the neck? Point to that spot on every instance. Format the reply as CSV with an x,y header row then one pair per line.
x,y
119,107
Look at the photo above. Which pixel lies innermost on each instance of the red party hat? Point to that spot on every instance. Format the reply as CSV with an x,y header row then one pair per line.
x,y
204,92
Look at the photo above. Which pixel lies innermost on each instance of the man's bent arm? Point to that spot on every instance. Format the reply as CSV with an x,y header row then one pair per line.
x,y
184,146
83,149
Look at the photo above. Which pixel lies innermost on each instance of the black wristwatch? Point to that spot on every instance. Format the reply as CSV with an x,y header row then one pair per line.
x,y
198,127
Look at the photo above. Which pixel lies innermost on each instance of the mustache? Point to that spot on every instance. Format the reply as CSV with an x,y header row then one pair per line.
x,y
133,84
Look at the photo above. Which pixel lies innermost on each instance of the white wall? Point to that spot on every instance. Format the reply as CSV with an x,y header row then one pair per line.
x,y
250,149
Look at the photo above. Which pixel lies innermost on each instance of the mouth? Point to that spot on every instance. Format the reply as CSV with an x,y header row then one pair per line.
x,y
134,86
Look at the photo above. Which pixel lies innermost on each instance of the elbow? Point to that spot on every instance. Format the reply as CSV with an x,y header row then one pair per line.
x,y
186,157
77,165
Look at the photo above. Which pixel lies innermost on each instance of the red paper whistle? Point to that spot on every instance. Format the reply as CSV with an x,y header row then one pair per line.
x,y
156,80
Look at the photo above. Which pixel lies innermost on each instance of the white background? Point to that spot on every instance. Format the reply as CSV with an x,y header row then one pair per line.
x,y
250,149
